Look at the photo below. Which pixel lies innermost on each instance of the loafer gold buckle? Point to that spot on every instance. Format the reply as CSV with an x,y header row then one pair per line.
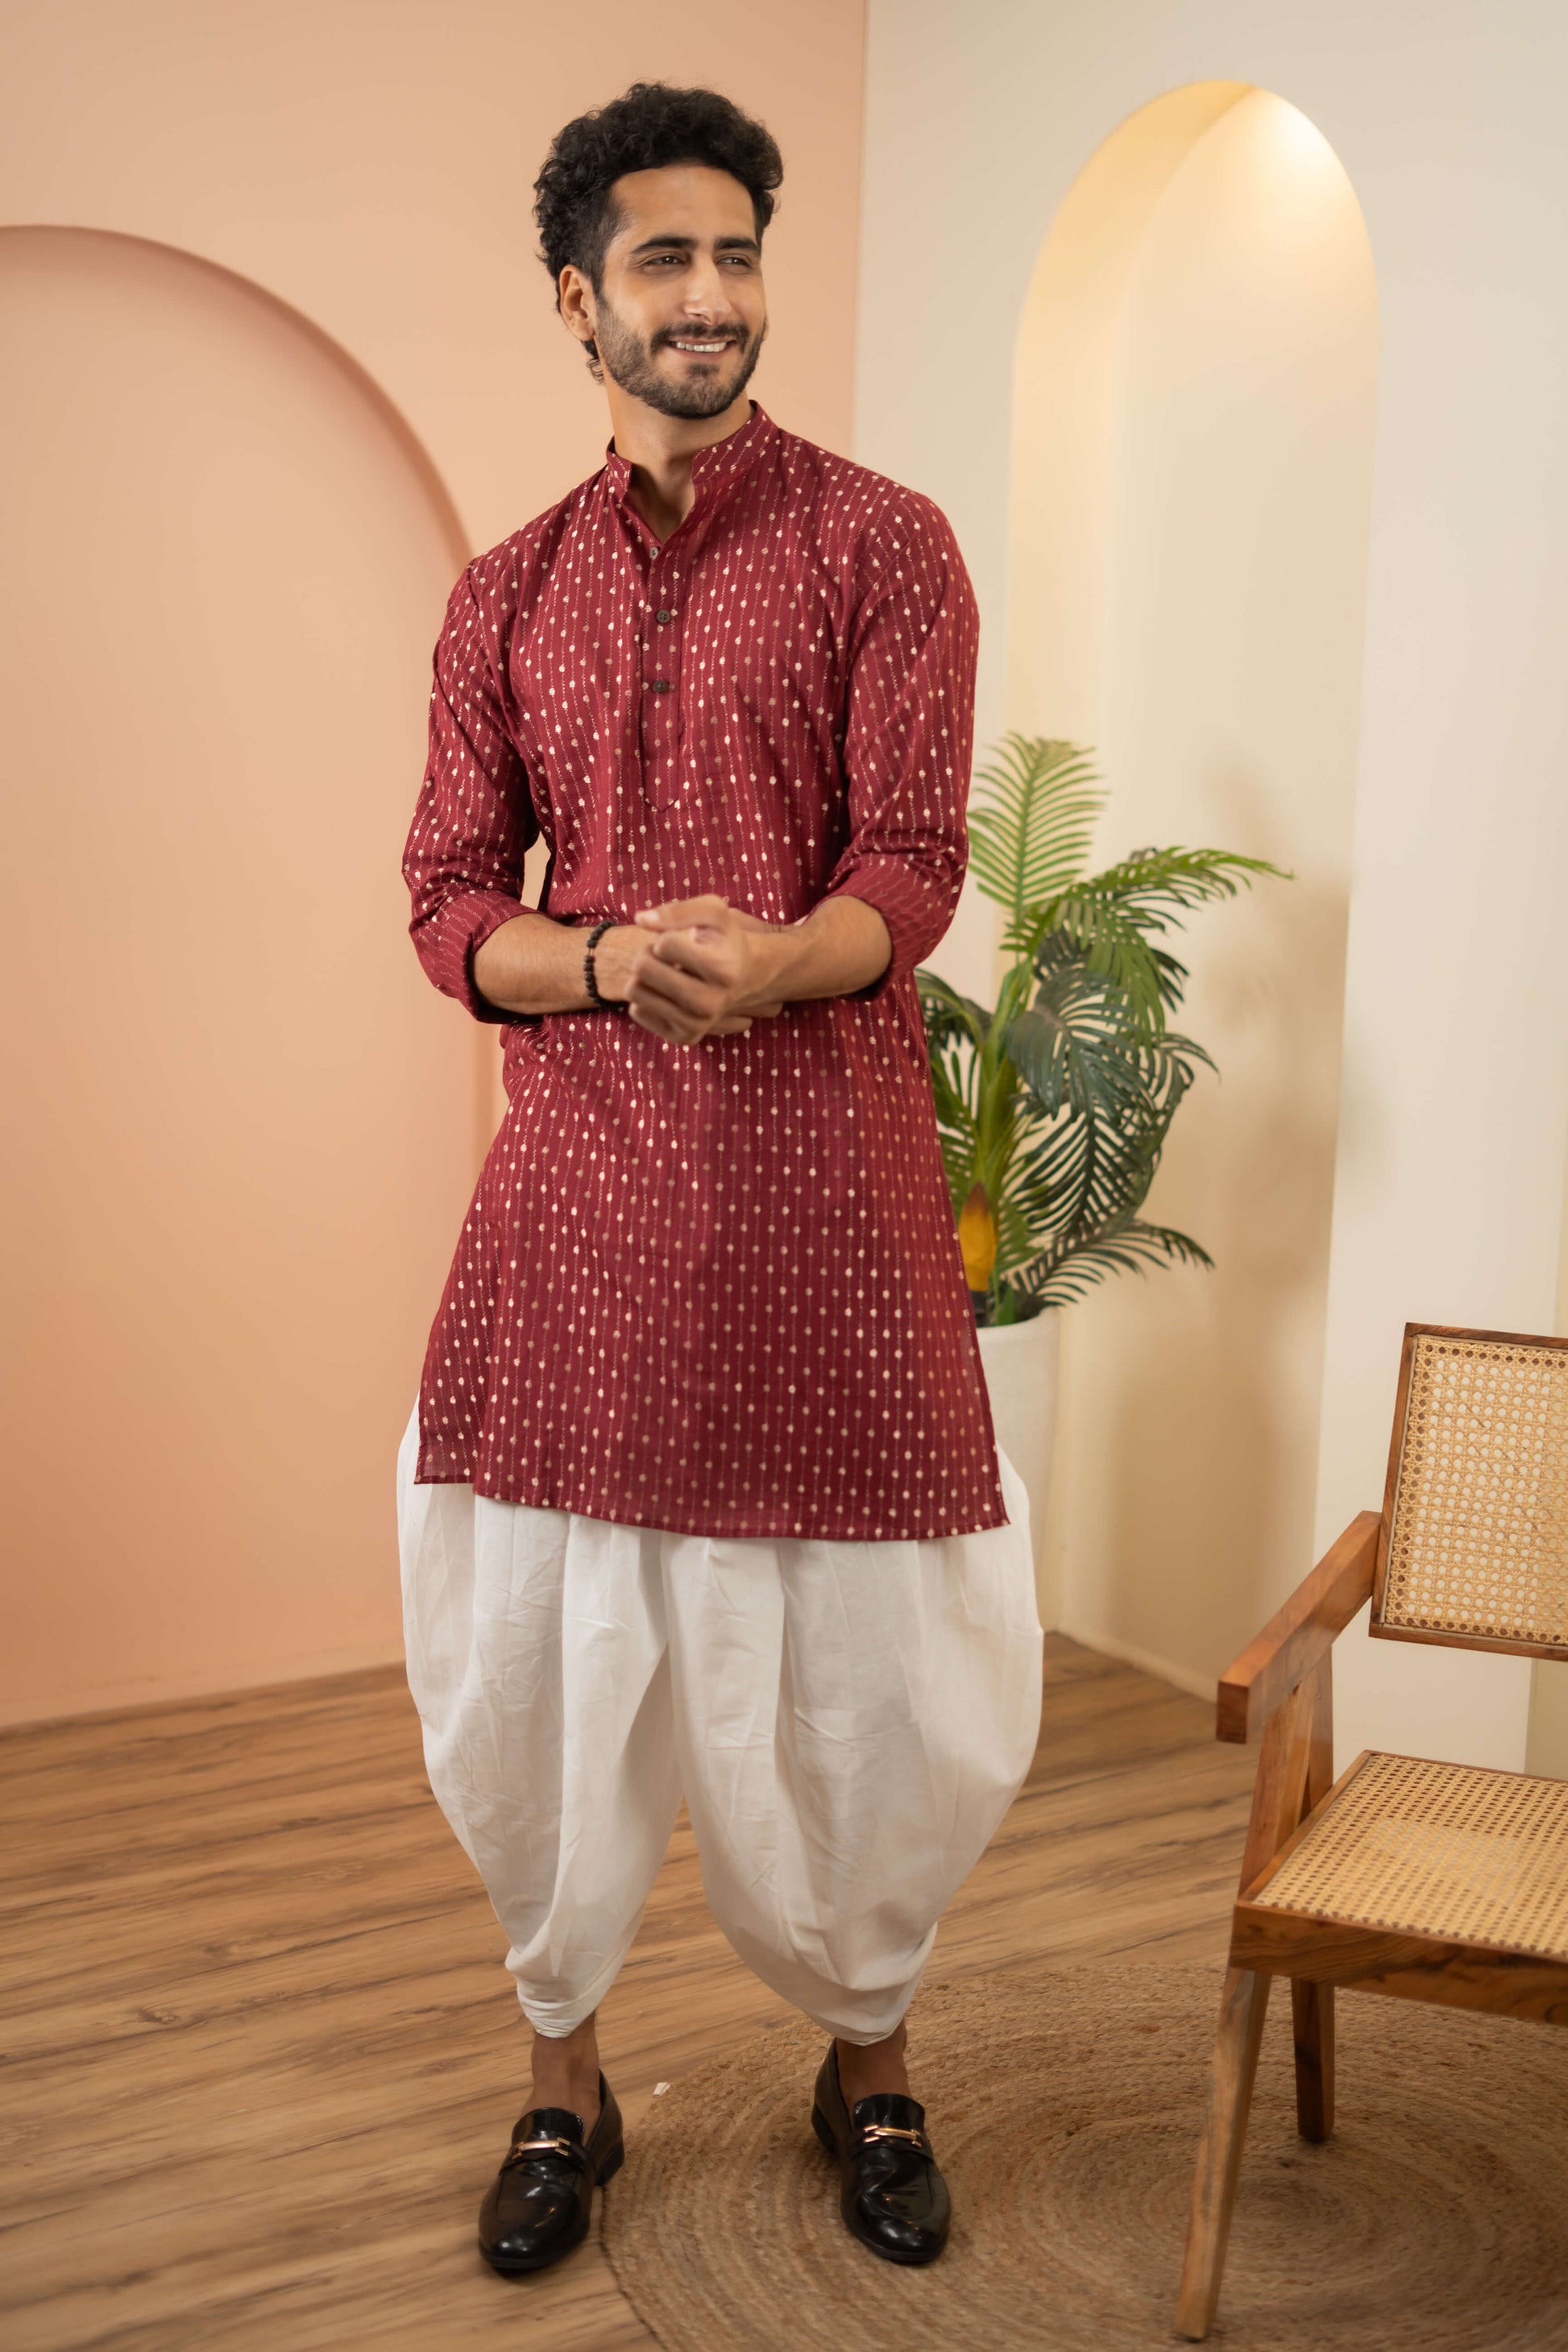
x,y
538,2147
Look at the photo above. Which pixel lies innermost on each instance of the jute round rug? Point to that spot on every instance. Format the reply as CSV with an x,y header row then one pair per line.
x,y
1064,2106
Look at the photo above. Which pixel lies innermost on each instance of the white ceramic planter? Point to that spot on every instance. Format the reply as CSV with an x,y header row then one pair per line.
x,y
1019,1360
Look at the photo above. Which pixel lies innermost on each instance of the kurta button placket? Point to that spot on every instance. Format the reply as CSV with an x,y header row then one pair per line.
x,y
662,728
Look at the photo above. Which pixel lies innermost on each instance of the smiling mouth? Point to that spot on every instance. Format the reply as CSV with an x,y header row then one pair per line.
x,y
709,350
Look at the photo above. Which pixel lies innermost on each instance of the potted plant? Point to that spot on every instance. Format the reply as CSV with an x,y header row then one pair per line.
x,y
1054,1108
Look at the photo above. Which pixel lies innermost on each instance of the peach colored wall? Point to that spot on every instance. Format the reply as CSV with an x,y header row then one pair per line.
x,y
282,355
374,165
243,1120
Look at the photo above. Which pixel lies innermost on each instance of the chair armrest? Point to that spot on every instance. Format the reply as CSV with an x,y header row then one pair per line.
x,y
1299,1634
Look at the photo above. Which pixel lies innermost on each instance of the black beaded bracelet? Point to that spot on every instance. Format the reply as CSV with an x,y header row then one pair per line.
x,y
594,936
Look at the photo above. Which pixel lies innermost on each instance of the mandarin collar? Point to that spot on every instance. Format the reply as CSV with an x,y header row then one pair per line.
x,y
714,469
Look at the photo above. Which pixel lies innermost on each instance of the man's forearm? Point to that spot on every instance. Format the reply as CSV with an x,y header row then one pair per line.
x,y
534,965
841,946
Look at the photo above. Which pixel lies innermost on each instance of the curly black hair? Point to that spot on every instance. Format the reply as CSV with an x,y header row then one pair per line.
x,y
649,126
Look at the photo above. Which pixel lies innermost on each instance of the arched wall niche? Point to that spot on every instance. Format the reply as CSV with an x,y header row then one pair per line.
x,y
245,1128
1195,383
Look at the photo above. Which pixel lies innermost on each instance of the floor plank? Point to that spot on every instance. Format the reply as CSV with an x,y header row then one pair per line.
x,y
261,2057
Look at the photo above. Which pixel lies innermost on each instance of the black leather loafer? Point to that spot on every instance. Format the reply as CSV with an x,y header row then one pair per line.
x,y
537,2207
890,2194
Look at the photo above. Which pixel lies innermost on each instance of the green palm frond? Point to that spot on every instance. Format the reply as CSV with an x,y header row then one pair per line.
x,y
956,1030
1016,1242
948,1079
1114,920
1056,1280
1029,837
1155,886
1085,1175
1116,948
947,1014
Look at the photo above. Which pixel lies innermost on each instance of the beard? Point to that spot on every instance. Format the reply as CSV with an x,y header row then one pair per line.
x,y
631,360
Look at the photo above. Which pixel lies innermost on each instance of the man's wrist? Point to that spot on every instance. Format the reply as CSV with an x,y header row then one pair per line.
x,y
775,959
615,959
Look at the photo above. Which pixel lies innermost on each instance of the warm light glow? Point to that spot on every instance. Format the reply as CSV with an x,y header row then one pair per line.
x,y
1294,135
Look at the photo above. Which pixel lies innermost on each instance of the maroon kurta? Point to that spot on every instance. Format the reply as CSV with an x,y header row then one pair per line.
x,y
714,1288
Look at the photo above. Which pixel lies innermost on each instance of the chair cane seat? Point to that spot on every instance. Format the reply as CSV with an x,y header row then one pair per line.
x,y
1453,1851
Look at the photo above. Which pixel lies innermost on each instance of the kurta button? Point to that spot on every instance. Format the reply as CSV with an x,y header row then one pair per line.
x,y
664,616
660,685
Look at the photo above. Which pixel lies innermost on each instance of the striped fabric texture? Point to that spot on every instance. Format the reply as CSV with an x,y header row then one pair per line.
x,y
714,1288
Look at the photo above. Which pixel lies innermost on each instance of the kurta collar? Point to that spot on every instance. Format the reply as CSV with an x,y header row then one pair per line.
x,y
714,470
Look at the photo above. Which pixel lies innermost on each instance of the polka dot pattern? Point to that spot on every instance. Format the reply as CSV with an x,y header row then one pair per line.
x,y
714,1288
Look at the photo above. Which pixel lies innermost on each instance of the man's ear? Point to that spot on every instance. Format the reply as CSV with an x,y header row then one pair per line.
x,y
574,300
575,308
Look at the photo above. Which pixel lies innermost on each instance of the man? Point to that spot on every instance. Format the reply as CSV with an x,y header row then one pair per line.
x,y
702,1494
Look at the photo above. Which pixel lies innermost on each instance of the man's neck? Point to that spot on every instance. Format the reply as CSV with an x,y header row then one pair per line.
x,y
659,450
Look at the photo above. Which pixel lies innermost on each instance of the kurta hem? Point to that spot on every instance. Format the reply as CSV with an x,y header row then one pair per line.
x,y
591,1502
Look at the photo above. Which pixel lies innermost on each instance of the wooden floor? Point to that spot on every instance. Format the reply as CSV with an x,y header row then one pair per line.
x,y
261,2058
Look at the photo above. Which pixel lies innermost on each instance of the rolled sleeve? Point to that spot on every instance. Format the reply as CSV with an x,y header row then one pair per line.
x,y
474,820
910,736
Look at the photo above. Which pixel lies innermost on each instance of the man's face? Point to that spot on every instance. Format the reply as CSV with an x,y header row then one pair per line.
x,y
681,317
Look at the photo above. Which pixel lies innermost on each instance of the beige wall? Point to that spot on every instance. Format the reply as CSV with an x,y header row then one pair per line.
x,y
1192,472
1454,1094
280,357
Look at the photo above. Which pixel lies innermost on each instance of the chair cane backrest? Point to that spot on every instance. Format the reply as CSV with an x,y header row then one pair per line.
x,y
1473,1550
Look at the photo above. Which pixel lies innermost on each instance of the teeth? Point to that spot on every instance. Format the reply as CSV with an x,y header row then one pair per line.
x,y
700,347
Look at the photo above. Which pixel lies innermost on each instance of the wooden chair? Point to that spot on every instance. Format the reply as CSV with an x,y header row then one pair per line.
x,y
1431,1881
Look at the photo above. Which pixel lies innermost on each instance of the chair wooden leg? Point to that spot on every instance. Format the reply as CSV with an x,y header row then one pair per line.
x,y
1312,2019
1242,2007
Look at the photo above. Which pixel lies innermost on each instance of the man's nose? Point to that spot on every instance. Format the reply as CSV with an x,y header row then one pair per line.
x,y
705,294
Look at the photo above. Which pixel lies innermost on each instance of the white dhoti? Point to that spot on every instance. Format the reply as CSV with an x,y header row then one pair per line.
x,y
847,1722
